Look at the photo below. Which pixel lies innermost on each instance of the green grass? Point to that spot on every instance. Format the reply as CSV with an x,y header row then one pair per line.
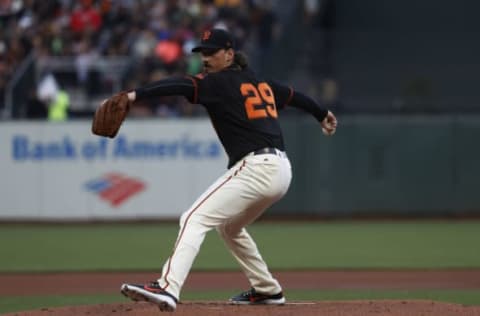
x,y
314,245
467,297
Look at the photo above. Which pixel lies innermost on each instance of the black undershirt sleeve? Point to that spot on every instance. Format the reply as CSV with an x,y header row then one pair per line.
x,y
299,100
185,86
287,96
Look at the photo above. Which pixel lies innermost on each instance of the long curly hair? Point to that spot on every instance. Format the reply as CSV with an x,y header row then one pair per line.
x,y
241,60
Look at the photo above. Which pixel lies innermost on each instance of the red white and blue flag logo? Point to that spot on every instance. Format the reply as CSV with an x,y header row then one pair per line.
x,y
115,188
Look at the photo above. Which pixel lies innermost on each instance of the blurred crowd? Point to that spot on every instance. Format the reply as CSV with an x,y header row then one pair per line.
x,y
321,47
157,35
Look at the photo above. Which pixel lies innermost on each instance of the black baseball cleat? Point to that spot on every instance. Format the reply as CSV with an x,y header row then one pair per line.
x,y
151,292
252,297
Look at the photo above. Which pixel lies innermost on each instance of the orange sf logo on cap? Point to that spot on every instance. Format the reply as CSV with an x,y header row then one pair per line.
x,y
206,35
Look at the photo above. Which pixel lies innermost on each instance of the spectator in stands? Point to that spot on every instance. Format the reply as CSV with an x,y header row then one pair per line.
x,y
87,76
50,93
59,106
85,18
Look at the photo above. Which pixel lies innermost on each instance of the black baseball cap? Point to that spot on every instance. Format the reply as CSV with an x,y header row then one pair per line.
x,y
215,39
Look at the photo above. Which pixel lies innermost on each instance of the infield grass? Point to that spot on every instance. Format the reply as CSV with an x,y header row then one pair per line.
x,y
312,245
467,297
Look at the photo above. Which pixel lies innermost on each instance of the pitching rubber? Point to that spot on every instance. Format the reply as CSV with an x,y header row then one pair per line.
x,y
272,301
164,302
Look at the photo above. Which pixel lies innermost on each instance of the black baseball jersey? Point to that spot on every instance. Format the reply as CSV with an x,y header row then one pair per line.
x,y
243,108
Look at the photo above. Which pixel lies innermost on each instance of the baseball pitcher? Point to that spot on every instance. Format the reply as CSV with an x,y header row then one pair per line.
x,y
243,109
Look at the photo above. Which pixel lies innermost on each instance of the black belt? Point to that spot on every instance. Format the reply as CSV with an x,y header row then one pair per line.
x,y
267,150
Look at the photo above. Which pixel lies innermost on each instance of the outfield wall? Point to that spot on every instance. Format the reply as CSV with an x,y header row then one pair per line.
x,y
385,165
374,165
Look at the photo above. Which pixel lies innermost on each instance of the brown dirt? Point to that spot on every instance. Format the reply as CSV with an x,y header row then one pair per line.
x,y
85,283
360,308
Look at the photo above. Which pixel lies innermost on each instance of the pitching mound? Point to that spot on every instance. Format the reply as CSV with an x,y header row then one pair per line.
x,y
384,308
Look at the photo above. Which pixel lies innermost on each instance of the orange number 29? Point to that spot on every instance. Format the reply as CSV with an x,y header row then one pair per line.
x,y
259,100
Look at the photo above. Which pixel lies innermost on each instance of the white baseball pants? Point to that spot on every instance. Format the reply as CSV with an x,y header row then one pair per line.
x,y
235,200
